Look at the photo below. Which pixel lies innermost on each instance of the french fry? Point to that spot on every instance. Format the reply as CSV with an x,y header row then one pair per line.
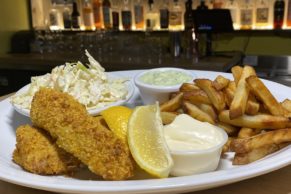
x,y
168,117
232,86
198,114
216,97
236,72
245,132
173,94
187,87
226,146
229,129
220,82
252,106
272,137
259,121
263,109
229,93
173,104
286,104
252,109
208,109
180,110
261,91
228,97
238,104
256,154
197,97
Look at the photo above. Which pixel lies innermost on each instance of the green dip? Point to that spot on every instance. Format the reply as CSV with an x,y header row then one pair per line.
x,y
165,78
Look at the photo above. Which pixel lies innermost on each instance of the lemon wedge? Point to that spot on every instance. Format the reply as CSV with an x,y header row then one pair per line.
x,y
147,143
117,118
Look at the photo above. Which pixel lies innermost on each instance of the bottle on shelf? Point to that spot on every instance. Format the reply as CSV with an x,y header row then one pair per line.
x,y
218,4
191,41
188,15
263,14
279,8
75,16
233,7
88,18
126,16
175,17
37,14
106,9
152,17
97,13
202,5
55,21
164,15
246,15
67,16
115,15
139,15
288,18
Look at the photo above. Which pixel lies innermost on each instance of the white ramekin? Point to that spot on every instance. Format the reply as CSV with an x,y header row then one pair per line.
x,y
197,161
152,93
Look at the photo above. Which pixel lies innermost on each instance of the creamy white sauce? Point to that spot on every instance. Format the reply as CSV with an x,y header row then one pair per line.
x,y
188,134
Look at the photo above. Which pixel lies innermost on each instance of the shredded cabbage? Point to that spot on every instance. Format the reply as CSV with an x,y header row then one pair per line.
x,y
88,84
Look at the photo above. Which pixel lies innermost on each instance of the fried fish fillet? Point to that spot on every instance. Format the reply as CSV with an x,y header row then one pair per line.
x,y
37,152
79,134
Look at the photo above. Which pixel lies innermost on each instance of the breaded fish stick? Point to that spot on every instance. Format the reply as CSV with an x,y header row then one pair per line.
x,y
37,152
79,134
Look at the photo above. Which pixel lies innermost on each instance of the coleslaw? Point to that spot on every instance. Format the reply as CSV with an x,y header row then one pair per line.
x,y
88,84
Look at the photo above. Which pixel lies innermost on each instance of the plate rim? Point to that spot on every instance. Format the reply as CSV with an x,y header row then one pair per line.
x,y
258,168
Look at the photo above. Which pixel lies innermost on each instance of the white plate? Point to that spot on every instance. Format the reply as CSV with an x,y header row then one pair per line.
x,y
95,111
225,174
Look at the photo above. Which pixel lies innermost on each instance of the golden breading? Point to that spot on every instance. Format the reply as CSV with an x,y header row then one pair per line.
x,y
79,134
37,152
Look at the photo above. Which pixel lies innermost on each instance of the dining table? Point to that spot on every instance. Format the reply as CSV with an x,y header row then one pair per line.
x,y
275,182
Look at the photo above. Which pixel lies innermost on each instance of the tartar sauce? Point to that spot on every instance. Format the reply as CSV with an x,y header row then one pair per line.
x,y
187,134
165,78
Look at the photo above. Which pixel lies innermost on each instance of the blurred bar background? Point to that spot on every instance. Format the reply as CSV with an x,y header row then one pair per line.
x,y
37,35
